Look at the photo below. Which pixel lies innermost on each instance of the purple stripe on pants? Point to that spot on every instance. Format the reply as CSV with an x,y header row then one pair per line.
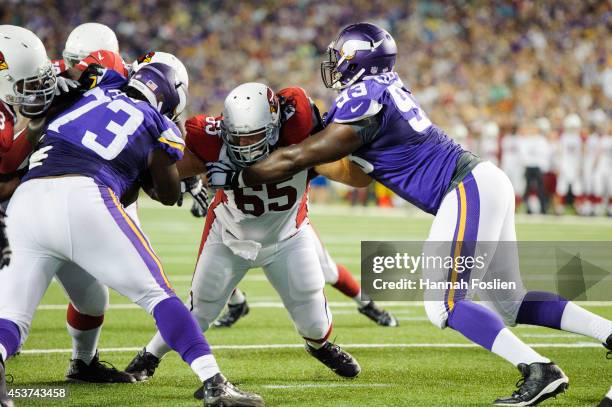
x,y
147,257
542,309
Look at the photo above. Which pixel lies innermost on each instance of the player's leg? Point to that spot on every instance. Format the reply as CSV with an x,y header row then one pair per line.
x,y
127,263
37,244
299,281
561,192
339,277
475,211
237,307
84,318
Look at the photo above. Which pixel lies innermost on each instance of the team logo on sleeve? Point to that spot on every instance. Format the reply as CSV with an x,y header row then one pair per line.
x,y
3,64
146,58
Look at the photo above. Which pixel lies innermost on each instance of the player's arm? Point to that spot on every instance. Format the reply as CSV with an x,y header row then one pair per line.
x,y
333,143
164,176
190,165
344,171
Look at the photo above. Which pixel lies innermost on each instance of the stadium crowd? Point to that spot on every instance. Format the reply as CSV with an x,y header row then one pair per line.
x,y
496,75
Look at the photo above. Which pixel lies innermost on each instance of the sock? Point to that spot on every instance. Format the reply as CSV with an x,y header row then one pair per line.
x,y
542,309
3,353
10,338
362,299
578,320
237,297
205,367
482,326
179,330
85,333
346,283
510,347
609,395
316,345
157,346
553,311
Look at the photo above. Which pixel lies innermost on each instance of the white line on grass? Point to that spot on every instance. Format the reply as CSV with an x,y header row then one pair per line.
x,y
347,345
333,304
322,385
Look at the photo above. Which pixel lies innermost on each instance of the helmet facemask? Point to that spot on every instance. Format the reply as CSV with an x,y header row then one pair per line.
x,y
34,94
71,59
329,72
243,153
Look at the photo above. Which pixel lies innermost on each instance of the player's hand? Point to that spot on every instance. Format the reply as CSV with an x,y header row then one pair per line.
x,y
220,175
65,85
39,156
195,188
5,249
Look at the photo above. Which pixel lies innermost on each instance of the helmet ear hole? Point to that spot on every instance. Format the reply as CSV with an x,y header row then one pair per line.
x,y
352,68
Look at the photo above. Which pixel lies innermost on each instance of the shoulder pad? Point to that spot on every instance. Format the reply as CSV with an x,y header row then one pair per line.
x,y
298,117
107,59
357,102
203,137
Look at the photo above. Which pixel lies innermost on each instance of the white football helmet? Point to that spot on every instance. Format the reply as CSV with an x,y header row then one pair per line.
x,y
87,38
26,74
572,122
251,123
543,125
180,70
490,130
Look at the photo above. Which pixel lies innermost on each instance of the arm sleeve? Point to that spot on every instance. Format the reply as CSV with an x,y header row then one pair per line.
x,y
367,128
354,110
7,123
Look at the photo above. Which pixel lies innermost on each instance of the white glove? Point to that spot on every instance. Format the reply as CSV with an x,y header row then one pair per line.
x,y
220,175
39,156
65,85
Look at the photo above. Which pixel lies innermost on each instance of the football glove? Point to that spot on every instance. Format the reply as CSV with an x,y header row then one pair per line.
x,y
65,85
220,175
195,188
5,249
38,156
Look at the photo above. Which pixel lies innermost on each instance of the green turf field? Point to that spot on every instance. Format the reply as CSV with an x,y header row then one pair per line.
x,y
412,365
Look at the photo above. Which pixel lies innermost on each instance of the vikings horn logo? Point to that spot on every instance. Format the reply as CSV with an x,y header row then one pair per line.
x,y
272,101
3,64
146,58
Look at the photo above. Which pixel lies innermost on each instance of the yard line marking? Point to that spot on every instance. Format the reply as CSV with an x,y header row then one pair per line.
x,y
265,302
322,385
347,345
551,336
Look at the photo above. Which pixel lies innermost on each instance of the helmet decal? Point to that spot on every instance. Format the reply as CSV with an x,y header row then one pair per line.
x,y
3,64
272,101
146,58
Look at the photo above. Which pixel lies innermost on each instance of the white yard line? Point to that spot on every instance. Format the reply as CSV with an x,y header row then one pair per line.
x,y
322,385
266,303
347,345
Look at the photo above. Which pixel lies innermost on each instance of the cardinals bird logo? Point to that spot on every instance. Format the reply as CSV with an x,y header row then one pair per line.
x,y
272,101
146,58
3,64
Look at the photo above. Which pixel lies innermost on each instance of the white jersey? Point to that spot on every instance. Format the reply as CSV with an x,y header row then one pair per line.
x,y
535,151
570,154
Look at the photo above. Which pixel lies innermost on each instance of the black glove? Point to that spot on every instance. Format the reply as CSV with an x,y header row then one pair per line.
x,y
196,189
5,249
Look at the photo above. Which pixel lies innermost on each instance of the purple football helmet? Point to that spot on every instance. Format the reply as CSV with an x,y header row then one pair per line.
x,y
361,49
158,84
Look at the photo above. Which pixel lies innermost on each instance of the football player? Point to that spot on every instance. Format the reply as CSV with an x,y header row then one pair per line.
x,y
115,134
263,226
377,122
569,163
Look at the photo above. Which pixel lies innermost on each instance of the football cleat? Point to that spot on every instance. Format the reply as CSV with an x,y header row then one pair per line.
x,y
143,366
540,381
96,372
608,345
219,392
5,400
339,361
233,314
378,315
606,402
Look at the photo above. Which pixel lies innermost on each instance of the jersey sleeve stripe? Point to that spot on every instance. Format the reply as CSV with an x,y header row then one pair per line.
x,y
373,109
172,144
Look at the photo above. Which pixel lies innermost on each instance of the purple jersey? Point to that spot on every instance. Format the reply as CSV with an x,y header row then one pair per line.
x,y
107,136
402,149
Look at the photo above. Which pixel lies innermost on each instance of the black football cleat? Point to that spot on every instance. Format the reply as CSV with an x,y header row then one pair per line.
x,y
219,392
378,315
608,345
96,372
606,402
233,314
143,366
540,381
5,400
339,361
